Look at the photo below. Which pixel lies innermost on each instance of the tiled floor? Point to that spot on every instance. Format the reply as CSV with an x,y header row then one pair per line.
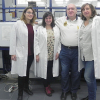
x,y
39,94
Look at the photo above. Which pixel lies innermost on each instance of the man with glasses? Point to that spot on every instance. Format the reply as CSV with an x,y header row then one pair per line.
x,y
69,26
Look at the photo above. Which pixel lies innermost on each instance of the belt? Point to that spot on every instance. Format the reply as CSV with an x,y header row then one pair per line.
x,y
71,47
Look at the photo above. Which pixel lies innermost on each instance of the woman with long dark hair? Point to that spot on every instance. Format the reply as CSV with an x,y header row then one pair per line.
x,y
47,56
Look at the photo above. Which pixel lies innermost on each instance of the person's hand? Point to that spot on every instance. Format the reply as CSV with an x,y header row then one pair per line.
x,y
36,22
13,57
57,56
37,58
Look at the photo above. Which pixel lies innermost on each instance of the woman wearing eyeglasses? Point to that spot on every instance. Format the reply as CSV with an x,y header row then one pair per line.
x,y
22,43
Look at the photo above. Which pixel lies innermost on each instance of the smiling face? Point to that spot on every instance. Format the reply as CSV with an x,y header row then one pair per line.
x,y
87,12
48,20
71,11
29,14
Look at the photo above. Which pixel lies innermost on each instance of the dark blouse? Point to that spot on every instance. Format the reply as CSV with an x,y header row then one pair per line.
x,y
30,39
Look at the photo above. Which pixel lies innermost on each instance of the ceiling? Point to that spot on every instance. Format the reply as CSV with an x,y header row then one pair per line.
x,y
62,2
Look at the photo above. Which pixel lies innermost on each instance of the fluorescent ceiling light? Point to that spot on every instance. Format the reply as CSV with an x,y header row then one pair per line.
x,y
86,2
40,3
33,0
89,0
98,4
59,2
22,2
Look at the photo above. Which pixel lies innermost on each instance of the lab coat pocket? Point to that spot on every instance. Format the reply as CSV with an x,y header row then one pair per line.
x,y
19,52
87,46
88,50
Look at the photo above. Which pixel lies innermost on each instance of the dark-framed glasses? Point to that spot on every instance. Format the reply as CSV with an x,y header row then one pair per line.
x,y
30,13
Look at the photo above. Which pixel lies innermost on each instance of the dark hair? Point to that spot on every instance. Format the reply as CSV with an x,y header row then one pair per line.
x,y
93,11
46,15
32,21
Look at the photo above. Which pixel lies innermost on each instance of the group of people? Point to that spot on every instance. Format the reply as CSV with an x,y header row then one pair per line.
x,y
72,39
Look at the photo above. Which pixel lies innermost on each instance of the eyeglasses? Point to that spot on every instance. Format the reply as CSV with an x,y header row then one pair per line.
x,y
30,13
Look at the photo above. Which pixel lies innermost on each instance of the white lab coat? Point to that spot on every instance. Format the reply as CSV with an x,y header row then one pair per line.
x,y
41,66
19,47
95,34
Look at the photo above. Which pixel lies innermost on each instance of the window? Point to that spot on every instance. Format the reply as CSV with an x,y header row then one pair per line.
x,y
25,2
22,2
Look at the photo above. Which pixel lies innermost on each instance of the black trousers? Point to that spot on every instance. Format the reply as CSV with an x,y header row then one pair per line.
x,y
47,81
23,82
29,62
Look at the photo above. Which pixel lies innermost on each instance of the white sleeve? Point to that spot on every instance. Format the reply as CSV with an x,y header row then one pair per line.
x,y
37,49
59,44
13,40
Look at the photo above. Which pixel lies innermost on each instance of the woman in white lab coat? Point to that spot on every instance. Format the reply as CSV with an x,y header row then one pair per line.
x,y
48,48
22,40
89,48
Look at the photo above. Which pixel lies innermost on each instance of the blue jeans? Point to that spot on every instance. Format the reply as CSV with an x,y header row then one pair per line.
x,y
69,61
90,79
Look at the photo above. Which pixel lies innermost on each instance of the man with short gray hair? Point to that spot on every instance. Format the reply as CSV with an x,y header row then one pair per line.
x,y
69,27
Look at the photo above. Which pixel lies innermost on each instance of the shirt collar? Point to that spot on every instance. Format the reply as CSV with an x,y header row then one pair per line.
x,y
74,19
90,20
